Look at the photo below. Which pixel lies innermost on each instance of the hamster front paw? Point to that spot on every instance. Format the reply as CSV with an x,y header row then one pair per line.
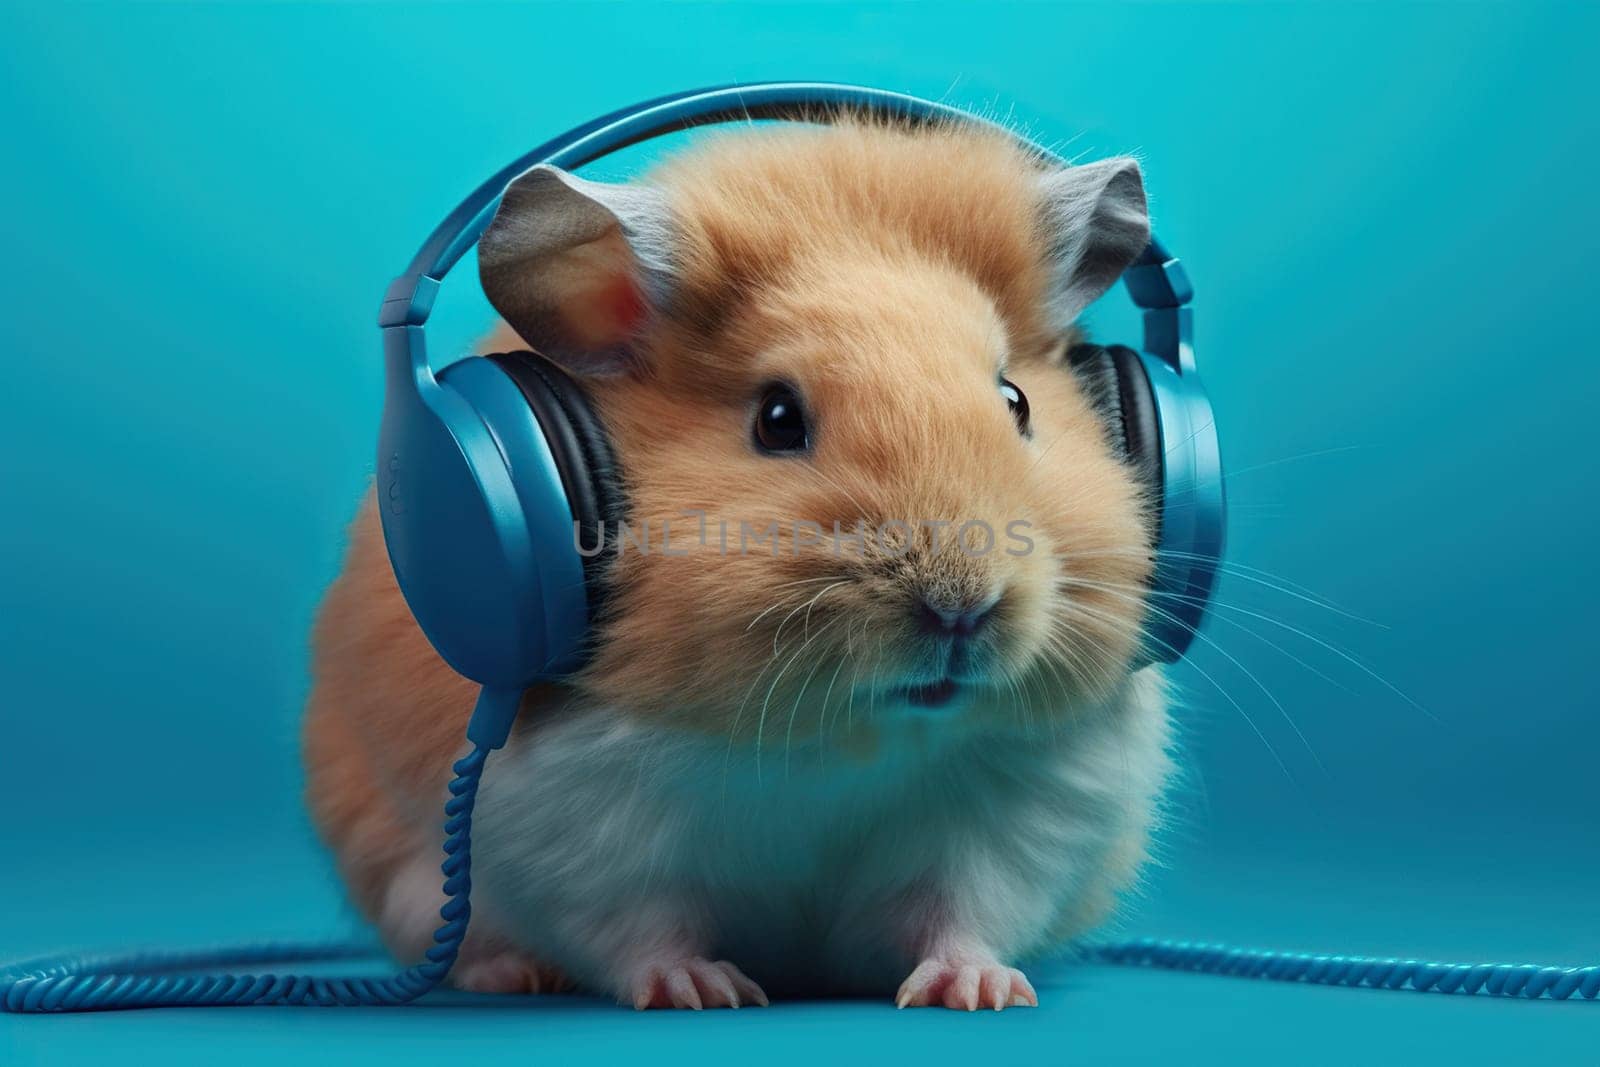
x,y
507,971
693,983
965,985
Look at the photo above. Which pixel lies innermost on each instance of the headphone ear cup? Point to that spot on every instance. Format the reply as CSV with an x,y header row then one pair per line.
x,y
582,452
1160,419
1119,388
476,526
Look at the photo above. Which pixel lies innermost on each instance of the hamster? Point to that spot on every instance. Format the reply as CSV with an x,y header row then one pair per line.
x,y
883,763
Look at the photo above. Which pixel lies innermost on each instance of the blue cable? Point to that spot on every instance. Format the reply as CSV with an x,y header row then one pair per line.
x,y
155,979
149,979
1526,980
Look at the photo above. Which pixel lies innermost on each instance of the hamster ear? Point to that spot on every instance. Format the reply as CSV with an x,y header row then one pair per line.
x,y
577,267
1096,224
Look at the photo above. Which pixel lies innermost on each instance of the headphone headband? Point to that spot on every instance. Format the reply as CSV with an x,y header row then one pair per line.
x,y
1156,281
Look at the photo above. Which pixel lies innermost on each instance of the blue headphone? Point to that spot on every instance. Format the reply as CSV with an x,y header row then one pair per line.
x,y
484,467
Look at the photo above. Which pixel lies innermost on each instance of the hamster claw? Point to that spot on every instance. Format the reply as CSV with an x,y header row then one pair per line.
x,y
695,984
965,986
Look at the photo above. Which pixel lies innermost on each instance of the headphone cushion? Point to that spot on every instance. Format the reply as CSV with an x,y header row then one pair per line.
x,y
1119,388
580,446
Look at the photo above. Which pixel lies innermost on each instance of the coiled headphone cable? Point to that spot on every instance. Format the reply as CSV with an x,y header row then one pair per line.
x,y
155,979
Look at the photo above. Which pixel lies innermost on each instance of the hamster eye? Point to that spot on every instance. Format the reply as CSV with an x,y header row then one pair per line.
x,y
1018,403
780,421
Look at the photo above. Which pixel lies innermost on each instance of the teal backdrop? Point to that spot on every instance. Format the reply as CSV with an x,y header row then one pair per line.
x,y
1388,211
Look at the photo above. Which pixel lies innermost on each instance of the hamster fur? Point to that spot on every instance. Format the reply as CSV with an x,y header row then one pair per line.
x,y
745,791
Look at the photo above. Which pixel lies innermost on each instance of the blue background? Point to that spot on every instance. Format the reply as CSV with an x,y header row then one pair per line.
x,y
1387,211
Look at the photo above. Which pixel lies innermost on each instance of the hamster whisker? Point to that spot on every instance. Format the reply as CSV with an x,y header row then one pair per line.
x,y
806,607
786,598
850,708
1021,691
1259,636
1337,651
761,722
1119,591
1342,653
1282,585
1060,667
1067,643
1106,671
805,625
1095,672
827,715
1256,729
822,708
1062,681
1017,698
1225,606
788,737
1066,580
1254,575
1020,702
1067,652
808,581
1292,657
738,714
1252,468
782,601
877,670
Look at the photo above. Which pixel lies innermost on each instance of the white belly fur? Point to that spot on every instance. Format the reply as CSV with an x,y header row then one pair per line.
x,y
599,835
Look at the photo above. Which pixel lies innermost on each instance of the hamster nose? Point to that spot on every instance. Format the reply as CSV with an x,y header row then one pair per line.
x,y
942,620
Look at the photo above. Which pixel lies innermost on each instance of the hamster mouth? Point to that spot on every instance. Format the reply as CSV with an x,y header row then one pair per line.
x,y
932,695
